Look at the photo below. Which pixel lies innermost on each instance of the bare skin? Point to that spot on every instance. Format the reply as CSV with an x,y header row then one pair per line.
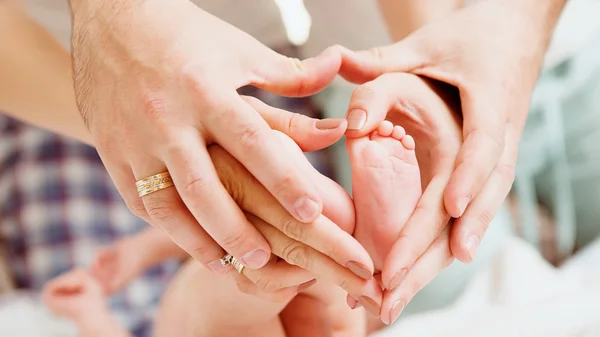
x,y
386,186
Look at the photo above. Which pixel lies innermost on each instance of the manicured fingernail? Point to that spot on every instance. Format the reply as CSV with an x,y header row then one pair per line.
x,y
370,305
329,123
356,119
462,204
352,302
306,209
396,310
306,285
217,267
472,245
360,270
397,279
255,259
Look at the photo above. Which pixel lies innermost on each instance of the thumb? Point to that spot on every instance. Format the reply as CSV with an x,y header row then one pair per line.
x,y
362,66
309,133
291,77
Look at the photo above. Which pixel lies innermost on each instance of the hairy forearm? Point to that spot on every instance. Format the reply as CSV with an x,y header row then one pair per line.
x,y
35,76
405,16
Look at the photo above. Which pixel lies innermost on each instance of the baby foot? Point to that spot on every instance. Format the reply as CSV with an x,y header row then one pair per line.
x,y
386,186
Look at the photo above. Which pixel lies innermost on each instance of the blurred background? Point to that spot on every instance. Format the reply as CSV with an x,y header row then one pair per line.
x,y
538,269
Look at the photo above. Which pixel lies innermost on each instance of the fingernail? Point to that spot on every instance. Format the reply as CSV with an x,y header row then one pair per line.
x,y
329,123
217,267
306,209
370,305
356,119
352,302
462,205
396,310
306,285
472,245
397,279
255,259
359,269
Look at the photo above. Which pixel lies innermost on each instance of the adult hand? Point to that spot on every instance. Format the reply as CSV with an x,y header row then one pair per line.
x,y
429,112
319,249
156,83
492,52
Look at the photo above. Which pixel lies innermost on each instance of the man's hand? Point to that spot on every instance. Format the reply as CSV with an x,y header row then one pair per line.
x,y
156,84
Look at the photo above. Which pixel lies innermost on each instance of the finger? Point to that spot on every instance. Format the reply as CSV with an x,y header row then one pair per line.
x,y
321,234
337,203
252,142
371,102
291,77
207,200
367,65
366,291
124,181
437,257
309,133
423,227
468,231
306,316
278,274
483,133
246,286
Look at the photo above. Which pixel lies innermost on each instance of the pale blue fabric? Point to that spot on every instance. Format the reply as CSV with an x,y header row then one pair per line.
x,y
559,160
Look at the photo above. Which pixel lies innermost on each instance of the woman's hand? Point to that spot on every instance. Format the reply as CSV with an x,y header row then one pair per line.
x,y
492,53
156,84
319,249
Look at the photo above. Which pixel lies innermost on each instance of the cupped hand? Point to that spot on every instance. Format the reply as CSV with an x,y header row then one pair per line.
x,y
429,111
156,84
492,52
323,249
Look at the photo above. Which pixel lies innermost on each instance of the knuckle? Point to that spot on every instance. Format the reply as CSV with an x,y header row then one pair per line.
x,y
285,183
154,107
252,137
484,218
234,241
160,209
268,284
203,254
137,207
292,228
297,254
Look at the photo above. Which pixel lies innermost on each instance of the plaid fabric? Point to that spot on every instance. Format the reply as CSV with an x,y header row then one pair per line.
x,y
58,207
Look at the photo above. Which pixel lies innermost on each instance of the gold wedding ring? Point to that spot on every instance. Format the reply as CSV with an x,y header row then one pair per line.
x,y
229,259
154,183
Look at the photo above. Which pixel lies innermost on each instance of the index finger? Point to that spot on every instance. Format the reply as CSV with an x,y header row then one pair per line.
x,y
241,131
296,253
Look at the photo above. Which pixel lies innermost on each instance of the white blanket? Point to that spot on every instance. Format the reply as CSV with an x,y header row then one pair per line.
x,y
519,294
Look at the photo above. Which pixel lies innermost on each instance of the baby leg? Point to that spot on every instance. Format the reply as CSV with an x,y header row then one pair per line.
x,y
202,303
117,265
386,186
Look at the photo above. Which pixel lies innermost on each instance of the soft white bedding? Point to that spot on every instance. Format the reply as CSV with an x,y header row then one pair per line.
x,y
519,294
